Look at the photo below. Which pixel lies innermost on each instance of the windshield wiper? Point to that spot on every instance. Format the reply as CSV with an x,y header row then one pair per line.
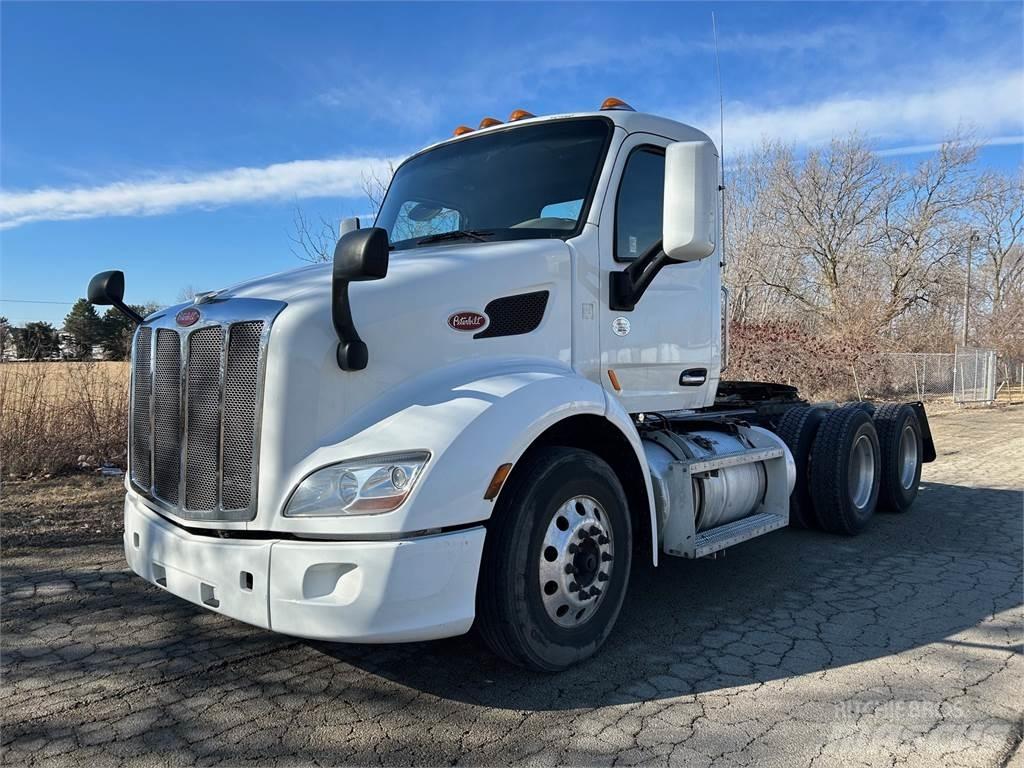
x,y
457,234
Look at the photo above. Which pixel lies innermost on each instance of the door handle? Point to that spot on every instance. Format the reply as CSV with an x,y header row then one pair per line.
x,y
693,377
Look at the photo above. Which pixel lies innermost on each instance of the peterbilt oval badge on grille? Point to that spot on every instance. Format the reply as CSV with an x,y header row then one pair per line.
x,y
188,316
467,321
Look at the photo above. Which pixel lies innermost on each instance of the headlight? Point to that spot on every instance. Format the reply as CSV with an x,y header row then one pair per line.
x,y
365,486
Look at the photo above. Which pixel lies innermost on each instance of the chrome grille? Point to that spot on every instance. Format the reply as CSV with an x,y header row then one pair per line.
x,y
196,396
239,412
142,378
167,416
204,353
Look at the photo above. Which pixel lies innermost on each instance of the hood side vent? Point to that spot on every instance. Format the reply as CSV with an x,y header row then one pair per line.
x,y
514,315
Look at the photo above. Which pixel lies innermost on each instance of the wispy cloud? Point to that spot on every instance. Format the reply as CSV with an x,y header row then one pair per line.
x,y
919,149
989,104
300,179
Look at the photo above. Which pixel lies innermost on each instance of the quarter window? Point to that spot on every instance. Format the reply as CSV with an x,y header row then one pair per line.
x,y
638,212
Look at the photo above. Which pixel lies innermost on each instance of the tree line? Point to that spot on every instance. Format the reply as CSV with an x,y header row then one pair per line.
x,y
85,335
847,245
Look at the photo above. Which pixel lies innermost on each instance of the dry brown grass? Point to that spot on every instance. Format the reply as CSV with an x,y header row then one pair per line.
x,y
70,510
53,413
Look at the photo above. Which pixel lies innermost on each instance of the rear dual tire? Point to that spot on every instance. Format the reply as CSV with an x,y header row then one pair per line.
x,y
902,449
845,476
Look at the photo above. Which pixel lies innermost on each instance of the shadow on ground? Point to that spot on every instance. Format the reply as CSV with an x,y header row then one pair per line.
x,y
788,604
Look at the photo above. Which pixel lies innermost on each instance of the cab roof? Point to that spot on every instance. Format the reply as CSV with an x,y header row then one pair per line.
x,y
628,120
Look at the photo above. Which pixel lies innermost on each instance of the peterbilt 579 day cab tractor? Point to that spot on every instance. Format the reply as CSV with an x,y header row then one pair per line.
x,y
487,407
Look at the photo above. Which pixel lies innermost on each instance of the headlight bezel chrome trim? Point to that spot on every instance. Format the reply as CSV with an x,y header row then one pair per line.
x,y
419,458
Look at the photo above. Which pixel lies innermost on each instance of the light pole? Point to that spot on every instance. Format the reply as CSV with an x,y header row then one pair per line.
x,y
972,238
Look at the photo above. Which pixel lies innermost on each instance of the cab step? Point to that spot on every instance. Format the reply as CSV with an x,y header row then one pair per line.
x,y
711,541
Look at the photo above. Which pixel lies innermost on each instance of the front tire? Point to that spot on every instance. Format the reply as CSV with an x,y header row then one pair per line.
x,y
556,560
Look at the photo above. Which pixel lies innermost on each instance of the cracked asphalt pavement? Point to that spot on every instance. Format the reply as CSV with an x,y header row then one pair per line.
x,y
900,647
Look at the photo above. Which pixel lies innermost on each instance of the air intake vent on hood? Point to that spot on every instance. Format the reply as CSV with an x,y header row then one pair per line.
x,y
514,315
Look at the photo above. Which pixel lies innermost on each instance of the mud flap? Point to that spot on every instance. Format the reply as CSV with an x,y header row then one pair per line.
x,y
926,432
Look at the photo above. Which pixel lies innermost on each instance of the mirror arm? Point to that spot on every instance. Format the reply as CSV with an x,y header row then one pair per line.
x,y
352,352
128,312
626,287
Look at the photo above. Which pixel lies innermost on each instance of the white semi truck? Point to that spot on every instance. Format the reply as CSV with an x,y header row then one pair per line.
x,y
487,407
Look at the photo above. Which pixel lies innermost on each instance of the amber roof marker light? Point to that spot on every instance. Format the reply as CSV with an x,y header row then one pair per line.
x,y
519,114
612,103
461,130
488,122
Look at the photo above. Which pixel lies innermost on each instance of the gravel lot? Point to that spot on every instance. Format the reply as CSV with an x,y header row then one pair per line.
x,y
902,646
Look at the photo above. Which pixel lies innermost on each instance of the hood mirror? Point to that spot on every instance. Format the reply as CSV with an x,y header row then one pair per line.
x,y
361,254
107,289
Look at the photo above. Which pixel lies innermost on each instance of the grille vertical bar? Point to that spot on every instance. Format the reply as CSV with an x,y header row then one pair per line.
x,y
140,456
167,416
240,399
203,403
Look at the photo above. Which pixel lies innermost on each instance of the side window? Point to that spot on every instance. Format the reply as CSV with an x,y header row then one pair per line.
x,y
638,210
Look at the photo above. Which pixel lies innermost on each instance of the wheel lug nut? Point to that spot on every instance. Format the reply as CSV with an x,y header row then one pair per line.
x,y
572,549
570,568
583,534
602,539
595,592
573,586
602,577
605,557
594,530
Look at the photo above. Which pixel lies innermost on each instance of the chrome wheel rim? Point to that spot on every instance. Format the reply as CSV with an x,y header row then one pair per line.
x,y
908,457
576,559
862,471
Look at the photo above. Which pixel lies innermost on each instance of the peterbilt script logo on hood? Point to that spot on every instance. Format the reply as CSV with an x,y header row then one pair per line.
x,y
188,316
467,321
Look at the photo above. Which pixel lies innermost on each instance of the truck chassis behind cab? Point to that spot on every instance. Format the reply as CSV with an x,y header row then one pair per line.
x,y
486,407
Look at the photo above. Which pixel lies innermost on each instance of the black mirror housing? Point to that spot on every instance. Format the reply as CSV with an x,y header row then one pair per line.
x,y
107,289
361,254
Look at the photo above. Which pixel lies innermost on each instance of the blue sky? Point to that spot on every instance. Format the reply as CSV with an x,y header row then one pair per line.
x,y
175,140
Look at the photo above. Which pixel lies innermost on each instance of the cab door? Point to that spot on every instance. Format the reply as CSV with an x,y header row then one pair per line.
x,y
663,355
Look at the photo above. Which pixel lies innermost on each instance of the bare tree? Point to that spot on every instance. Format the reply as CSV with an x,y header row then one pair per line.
x,y
314,241
823,225
1000,207
375,186
922,226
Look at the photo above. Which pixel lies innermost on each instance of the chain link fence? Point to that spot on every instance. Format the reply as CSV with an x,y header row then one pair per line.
x,y
967,375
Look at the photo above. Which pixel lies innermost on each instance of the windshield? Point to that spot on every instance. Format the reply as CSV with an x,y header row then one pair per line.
x,y
524,182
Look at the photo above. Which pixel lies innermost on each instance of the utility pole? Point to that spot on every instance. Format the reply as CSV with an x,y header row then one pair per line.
x,y
972,238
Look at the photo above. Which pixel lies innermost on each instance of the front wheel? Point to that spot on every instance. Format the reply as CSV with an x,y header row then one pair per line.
x,y
556,560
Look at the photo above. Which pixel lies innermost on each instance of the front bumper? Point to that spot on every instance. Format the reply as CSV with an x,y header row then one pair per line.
x,y
367,591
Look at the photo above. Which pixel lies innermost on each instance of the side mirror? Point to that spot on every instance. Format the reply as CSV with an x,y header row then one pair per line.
x,y
689,231
689,221
361,254
348,224
107,289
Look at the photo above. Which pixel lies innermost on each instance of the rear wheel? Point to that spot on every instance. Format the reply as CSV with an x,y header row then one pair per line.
x,y
556,560
899,438
845,472
798,428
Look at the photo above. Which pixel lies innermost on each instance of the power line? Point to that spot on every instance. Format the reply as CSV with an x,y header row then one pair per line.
x,y
35,301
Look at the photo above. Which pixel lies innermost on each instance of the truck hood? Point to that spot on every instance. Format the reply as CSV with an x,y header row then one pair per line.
x,y
437,264
311,404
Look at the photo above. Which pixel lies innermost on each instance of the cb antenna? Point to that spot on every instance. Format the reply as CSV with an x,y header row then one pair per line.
x,y
721,133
